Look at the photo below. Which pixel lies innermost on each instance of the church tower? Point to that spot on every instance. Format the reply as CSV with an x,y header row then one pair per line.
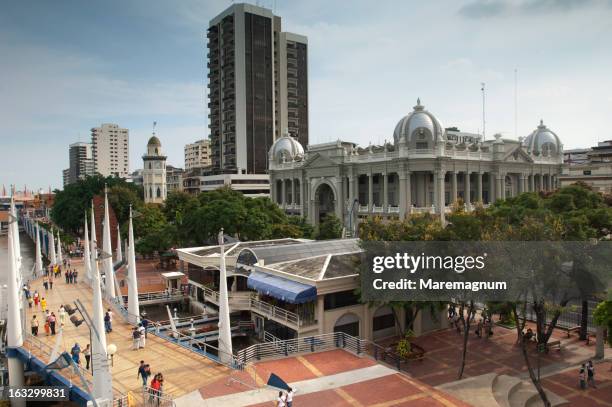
x,y
154,172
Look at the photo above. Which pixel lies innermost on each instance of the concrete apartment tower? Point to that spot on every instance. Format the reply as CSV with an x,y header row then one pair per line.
x,y
197,154
154,172
111,150
81,163
258,83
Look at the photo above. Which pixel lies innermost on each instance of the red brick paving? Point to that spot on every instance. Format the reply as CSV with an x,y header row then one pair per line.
x,y
379,390
337,361
567,386
289,369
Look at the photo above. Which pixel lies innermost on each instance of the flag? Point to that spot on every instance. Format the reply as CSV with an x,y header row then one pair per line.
x,y
275,381
63,361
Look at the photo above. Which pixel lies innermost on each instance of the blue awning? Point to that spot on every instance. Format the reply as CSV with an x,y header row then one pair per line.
x,y
282,288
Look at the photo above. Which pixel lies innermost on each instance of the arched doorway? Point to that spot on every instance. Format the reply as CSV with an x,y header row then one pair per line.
x,y
348,323
325,202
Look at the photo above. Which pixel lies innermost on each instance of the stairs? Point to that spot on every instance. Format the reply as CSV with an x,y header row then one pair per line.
x,y
493,390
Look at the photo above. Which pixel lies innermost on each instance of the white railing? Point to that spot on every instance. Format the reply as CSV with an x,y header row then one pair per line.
x,y
378,209
172,295
279,348
393,209
243,302
152,397
364,208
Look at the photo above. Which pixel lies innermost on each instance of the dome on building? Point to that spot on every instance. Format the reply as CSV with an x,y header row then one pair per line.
x,y
286,148
154,141
418,125
543,141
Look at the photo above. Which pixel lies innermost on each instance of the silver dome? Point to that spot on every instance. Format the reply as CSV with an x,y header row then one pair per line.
x,y
543,141
286,148
418,125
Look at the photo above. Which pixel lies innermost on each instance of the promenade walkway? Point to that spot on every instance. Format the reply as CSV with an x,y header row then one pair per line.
x,y
184,371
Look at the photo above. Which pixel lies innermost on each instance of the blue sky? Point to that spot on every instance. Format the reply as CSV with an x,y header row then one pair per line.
x,y
67,66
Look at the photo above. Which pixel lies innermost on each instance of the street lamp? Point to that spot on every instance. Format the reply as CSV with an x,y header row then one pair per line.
x,y
111,349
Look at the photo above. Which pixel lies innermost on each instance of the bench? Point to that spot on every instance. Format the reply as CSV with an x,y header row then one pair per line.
x,y
552,344
589,336
572,330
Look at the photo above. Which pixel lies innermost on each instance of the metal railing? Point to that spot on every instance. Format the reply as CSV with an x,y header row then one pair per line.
x,y
283,348
162,296
152,397
252,304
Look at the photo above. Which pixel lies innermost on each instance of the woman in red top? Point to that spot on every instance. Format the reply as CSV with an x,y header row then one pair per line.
x,y
154,389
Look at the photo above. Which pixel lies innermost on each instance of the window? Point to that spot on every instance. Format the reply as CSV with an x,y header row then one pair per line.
x,y
421,145
150,192
340,299
158,192
383,322
586,172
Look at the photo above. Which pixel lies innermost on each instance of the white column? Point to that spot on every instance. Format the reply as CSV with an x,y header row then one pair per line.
x,y
107,260
370,191
132,278
385,201
52,258
466,194
87,253
14,333
402,194
284,193
118,250
225,334
453,186
39,263
93,243
479,176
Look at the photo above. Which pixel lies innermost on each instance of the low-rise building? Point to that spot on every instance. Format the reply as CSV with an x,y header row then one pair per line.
x,y
202,180
294,288
590,166
197,154
174,178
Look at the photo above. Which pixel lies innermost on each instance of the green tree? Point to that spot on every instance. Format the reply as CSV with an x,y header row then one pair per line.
x,y
329,228
603,317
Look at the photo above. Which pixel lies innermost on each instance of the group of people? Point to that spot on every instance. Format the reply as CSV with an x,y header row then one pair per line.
x,y
75,353
285,399
484,323
50,321
71,276
139,336
586,375
156,387
108,321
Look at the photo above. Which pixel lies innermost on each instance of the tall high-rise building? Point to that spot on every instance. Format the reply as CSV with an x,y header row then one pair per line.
x,y
197,154
111,150
81,163
258,83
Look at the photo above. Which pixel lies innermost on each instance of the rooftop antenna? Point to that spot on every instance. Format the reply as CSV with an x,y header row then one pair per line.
x,y
484,137
516,103
154,125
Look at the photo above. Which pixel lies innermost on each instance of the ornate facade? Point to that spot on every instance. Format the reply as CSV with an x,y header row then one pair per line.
x,y
154,173
426,169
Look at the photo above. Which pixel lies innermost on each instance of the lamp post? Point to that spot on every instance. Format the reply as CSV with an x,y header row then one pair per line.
x,y
111,349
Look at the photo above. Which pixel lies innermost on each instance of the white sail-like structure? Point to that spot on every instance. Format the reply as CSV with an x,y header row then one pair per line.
x,y
93,243
16,241
38,271
14,332
52,257
119,255
60,259
107,259
225,334
133,305
102,386
86,252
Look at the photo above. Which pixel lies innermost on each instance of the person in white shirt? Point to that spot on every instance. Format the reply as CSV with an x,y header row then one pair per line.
x,y
141,330
290,394
281,400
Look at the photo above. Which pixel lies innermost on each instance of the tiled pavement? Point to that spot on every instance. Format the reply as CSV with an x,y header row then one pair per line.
x,y
567,386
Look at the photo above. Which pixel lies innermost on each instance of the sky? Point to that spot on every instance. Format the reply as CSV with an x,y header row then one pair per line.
x,y
68,65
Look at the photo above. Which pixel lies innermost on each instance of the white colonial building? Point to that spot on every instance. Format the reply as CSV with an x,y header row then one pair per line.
x,y
427,168
154,172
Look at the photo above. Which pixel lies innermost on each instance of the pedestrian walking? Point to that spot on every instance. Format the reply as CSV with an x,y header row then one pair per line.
x,y
51,283
107,323
62,315
30,302
591,374
34,325
87,354
135,338
145,324
66,276
281,401
479,328
290,394
36,298
154,390
43,304
74,276
46,283
52,320
582,377
144,371
141,340
47,328
76,353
